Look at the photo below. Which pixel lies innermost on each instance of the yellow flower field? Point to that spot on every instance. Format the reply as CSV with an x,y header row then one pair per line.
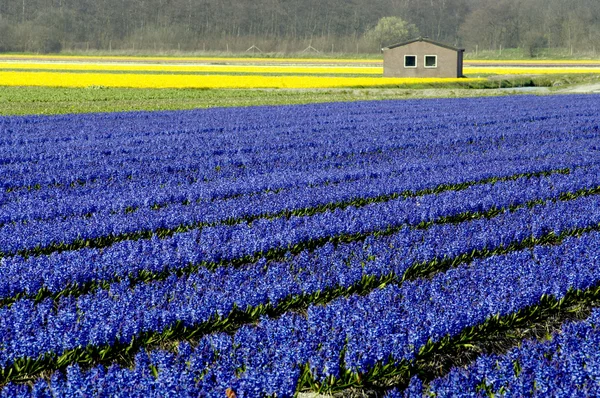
x,y
528,70
58,79
166,72
178,68
532,62
374,71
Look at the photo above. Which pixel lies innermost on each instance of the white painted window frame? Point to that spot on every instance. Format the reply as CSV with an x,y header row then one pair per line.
x,y
425,61
416,61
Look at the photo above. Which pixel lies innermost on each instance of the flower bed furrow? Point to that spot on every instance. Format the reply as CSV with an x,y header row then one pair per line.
x,y
439,155
456,308
487,131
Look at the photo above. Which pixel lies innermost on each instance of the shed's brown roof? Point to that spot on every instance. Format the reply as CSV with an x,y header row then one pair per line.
x,y
435,43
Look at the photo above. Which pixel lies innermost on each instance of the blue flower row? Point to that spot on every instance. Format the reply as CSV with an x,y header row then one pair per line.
x,y
129,258
19,237
44,151
423,145
121,313
549,152
371,179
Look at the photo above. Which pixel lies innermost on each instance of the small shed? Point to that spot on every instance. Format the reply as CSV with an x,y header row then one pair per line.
x,y
422,58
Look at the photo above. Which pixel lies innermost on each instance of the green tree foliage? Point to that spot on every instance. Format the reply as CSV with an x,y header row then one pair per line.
x,y
533,42
491,27
7,39
391,30
293,25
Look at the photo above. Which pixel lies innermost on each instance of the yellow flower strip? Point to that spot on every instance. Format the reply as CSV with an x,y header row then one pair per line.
x,y
277,69
531,62
288,69
54,79
527,70
188,59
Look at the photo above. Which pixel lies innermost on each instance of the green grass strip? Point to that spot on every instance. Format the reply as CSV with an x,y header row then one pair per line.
x,y
54,100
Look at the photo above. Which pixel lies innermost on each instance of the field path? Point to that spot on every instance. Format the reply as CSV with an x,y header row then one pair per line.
x,y
583,89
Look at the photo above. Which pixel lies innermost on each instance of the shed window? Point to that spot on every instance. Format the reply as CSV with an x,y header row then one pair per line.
x,y
431,61
410,61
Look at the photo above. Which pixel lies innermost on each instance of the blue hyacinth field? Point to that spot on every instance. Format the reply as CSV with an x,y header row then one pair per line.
x,y
442,247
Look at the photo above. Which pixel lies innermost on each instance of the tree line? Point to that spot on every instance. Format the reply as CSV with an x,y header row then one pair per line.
x,y
292,25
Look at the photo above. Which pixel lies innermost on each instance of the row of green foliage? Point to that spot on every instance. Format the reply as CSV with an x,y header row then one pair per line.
x,y
48,100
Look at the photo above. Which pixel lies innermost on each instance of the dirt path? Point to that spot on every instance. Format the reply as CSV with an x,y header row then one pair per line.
x,y
586,88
